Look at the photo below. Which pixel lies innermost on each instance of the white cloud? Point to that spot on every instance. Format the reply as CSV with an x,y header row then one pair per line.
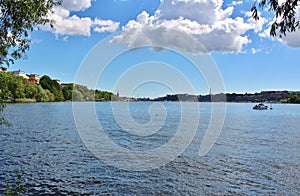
x,y
196,26
254,51
162,33
257,24
202,11
65,39
234,3
76,5
292,39
67,24
105,25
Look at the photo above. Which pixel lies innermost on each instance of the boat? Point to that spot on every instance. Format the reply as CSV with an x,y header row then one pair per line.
x,y
260,106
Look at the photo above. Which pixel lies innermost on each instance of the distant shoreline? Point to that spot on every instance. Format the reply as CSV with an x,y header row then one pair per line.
x,y
8,103
264,96
15,88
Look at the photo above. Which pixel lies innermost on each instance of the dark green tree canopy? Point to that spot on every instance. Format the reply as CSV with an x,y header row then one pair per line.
x,y
48,84
286,19
17,18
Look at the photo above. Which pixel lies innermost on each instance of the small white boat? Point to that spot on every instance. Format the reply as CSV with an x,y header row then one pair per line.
x,y
260,106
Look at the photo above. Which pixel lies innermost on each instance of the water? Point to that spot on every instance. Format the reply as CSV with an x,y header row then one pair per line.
x,y
257,152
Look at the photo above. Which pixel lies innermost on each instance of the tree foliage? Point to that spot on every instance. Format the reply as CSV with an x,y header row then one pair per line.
x,y
14,88
41,95
103,95
52,85
67,91
285,15
17,19
85,93
295,98
3,121
18,89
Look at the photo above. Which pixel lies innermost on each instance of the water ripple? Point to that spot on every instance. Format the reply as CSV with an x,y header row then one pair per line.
x,y
256,153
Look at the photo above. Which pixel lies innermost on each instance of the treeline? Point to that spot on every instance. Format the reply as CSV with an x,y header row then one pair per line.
x,y
264,96
294,99
18,89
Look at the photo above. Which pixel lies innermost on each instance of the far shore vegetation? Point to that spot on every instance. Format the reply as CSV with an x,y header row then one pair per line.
x,y
264,96
15,89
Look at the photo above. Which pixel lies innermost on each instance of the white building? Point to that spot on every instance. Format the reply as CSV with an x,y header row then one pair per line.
x,y
20,74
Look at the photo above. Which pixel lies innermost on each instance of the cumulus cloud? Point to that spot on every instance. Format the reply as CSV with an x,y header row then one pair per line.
x,y
76,5
161,34
254,50
67,24
202,11
105,25
292,39
257,24
236,2
196,26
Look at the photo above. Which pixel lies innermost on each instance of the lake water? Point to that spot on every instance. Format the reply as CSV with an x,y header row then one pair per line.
x,y
257,152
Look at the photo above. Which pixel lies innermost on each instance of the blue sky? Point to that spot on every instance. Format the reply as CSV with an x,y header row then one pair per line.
x,y
247,58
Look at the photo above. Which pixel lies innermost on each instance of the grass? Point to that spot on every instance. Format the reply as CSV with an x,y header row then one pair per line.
x,y
25,100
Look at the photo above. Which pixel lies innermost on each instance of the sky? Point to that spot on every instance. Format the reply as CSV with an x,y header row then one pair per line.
x,y
157,40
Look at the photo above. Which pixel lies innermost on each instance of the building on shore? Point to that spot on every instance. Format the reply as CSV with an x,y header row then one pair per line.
x,y
58,82
34,79
20,73
127,99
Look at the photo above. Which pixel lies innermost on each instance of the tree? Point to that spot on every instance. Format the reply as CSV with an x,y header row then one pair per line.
x,y
107,96
41,94
4,80
3,121
48,84
16,86
285,15
12,87
30,91
87,94
17,18
77,96
50,95
295,98
67,91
